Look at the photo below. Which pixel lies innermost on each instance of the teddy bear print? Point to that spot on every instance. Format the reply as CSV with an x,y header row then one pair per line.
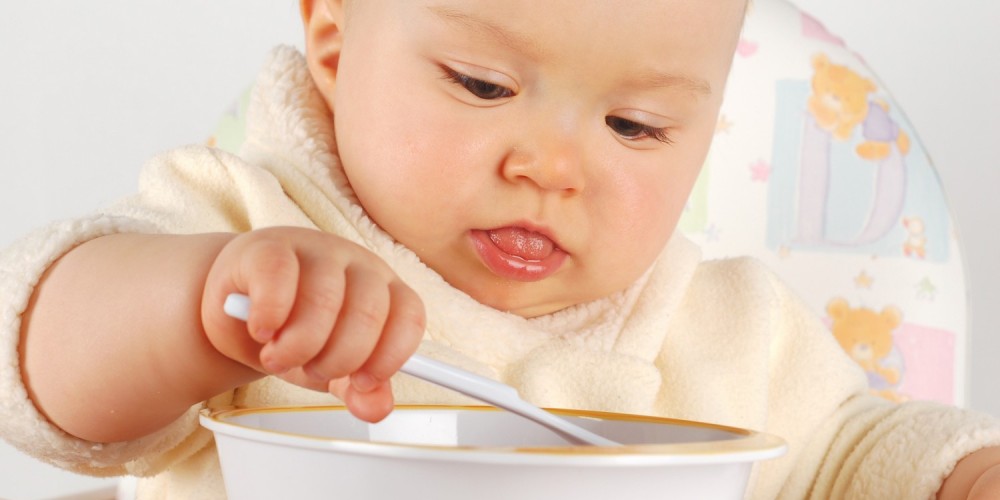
x,y
915,244
840,103
866,336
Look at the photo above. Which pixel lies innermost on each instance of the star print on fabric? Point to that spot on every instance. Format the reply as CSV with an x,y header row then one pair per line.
x,y
723,125
784,251
864,280
746,48
760,171
926,289
712,233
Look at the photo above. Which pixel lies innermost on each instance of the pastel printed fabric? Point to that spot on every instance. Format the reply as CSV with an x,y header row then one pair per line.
x,y
815,170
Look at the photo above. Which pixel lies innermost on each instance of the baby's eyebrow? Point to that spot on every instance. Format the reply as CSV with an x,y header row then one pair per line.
x,y
655,79
524,44
477,24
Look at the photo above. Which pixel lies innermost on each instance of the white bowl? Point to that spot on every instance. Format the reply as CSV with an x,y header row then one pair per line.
x,y
445,452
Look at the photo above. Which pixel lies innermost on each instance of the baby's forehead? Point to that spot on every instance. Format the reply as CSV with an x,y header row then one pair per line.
x,y
649,33
562,15
574,8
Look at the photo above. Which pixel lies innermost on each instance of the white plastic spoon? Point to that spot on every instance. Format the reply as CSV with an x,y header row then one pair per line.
x,y
468,383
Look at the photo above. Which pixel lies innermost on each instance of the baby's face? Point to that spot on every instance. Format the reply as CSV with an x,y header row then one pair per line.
x,y
535,154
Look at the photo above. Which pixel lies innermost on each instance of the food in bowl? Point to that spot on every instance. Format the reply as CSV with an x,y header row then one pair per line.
x,y
448,452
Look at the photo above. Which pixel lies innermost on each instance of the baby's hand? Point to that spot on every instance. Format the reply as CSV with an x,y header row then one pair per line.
x,y
326,314
975,477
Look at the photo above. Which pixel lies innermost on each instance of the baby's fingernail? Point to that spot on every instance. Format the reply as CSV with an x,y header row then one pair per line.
x,y
274,367
363,382
263,336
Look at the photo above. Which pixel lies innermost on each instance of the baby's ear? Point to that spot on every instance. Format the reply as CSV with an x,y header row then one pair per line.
x,y
323,21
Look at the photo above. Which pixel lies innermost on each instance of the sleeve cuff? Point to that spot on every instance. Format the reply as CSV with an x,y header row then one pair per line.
x,y
911,451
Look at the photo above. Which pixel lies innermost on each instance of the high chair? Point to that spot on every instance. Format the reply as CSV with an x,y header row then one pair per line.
x,y
815,171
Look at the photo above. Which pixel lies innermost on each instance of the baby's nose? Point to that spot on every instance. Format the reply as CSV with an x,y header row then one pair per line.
x,y
553,162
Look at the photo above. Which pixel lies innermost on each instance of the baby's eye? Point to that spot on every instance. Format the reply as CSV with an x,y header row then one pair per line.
x,y
634,130
479,88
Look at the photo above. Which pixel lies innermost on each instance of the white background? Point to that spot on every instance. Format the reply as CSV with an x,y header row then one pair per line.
x,y
89,90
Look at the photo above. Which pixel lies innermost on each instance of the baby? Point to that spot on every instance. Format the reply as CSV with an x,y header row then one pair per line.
x,y
495,184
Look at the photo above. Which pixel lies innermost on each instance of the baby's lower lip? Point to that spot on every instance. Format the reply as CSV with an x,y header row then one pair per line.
x,y
511,266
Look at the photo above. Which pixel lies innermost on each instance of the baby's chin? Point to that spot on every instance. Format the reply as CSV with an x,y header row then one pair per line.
x,y
530,310
528,300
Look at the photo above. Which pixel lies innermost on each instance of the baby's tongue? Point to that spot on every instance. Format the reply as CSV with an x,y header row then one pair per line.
x,y
522,243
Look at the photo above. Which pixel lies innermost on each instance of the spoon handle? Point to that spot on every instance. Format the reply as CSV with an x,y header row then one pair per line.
x,y
471,384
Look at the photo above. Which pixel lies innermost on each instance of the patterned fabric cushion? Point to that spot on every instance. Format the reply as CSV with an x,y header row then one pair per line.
x,y
816,171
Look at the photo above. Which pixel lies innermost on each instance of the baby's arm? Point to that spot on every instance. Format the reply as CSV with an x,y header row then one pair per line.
x,y
976,476
126,332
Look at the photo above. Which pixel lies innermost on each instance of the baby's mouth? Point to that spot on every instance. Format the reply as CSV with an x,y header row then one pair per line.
x,y
520,242
517,253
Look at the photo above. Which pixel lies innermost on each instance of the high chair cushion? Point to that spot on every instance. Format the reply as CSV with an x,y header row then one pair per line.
x,y
815,170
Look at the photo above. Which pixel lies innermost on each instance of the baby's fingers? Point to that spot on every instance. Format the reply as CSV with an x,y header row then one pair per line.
x,y
318,304
359,325
371,406
404,327
269,271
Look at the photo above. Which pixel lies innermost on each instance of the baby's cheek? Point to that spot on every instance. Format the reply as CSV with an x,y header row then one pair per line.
x,y
636,235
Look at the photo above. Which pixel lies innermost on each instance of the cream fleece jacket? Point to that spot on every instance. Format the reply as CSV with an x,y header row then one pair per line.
x,y
718,341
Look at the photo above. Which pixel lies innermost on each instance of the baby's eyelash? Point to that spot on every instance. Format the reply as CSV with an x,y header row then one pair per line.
x,y
633,130
479,88
660,134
